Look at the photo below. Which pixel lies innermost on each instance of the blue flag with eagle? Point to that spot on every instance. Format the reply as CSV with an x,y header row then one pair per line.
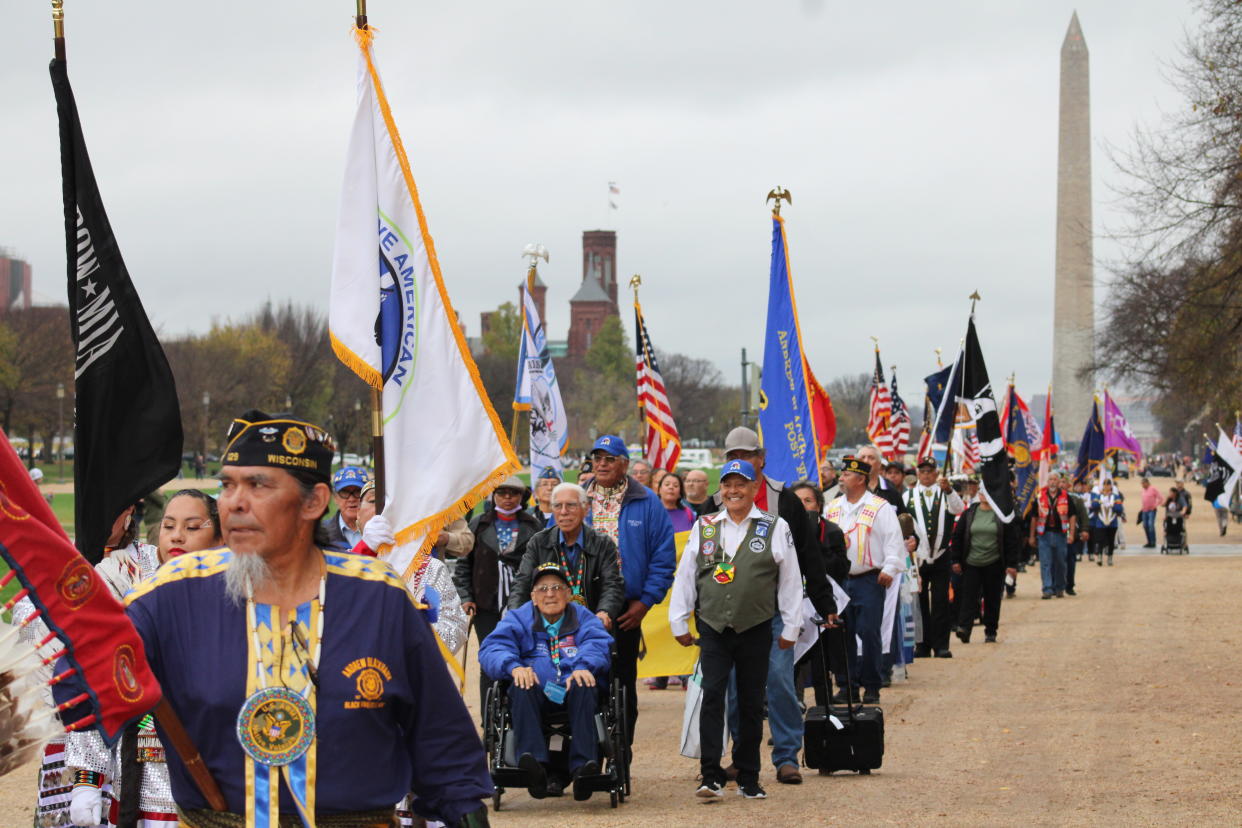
x,y
392,323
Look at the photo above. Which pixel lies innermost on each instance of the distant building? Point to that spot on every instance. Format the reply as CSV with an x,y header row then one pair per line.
x,y
594,301
15,292
596,298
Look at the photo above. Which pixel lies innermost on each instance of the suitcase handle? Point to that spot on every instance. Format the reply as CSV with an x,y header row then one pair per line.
x,y
849,681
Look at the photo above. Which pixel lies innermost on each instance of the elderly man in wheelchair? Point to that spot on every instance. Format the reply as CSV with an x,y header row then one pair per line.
x,y
554,652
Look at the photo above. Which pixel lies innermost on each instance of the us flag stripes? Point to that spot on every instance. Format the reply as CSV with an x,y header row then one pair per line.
x,y
899,422
663,444
881,411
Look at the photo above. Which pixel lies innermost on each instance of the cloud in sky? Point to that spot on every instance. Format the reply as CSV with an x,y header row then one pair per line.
x,y
919,143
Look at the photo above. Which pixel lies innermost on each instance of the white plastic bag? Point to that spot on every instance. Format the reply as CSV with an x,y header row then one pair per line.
x,y
690,746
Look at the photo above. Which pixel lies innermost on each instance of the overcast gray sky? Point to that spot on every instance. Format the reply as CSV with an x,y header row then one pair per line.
x,y
919,143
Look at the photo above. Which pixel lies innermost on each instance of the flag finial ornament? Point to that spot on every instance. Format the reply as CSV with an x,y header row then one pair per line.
x,y
777,194
635,281
534,252
974,297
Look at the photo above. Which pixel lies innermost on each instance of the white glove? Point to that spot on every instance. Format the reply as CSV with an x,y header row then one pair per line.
x,y
86,805
378,532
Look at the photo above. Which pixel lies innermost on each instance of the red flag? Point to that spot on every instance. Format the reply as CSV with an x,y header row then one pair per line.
x,y
824,417
103,656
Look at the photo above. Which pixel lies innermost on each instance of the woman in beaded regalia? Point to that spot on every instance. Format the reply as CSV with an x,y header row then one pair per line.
x,y
190,523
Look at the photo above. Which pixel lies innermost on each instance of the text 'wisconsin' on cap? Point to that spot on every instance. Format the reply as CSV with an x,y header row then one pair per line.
x,y
259,439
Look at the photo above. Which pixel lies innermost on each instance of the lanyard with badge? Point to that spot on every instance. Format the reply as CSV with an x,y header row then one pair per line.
x,y
555,690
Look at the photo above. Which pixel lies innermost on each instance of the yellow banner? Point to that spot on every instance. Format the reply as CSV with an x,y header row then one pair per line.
x,y
665,657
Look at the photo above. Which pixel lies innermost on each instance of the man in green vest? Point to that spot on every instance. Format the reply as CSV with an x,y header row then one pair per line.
x,y
738,570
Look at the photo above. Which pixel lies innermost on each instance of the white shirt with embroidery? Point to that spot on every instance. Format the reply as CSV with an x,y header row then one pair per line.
x,y
885,544
780,543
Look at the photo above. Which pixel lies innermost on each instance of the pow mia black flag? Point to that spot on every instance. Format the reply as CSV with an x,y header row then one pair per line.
x,y
976,393
127,426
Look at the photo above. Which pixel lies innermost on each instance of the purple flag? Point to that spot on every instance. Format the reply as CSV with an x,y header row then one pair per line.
x,y
1117,433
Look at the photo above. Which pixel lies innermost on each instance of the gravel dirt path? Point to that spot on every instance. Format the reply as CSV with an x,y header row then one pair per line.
x,y
1119,706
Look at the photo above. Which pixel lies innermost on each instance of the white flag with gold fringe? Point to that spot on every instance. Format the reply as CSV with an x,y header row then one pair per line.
x,y
392,323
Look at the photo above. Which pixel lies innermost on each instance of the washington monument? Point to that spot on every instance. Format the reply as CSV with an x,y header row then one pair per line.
x,y
1073,329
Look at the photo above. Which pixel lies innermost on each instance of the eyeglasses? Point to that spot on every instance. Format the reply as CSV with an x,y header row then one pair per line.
x,y
550,589
349,495
605,459
566,507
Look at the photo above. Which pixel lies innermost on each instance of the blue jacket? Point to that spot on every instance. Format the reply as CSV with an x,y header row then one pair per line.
x,y
520,640
645,535
1098,520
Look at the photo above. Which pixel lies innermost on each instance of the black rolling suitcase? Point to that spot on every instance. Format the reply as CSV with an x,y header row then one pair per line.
x,y
842,737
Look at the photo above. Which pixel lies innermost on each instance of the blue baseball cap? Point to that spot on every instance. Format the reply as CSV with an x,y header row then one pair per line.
x,y
349,476
611,444
549,473
741,467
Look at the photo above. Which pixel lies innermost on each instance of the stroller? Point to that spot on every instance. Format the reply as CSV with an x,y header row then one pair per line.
x,y
1174,531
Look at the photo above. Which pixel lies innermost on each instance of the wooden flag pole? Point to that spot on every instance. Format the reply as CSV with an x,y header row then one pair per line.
x,y
185,748
377,443
635,281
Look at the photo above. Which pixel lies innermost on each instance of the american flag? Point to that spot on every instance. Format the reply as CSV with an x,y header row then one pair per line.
x,y
900,421
881,411
663,444
1237,433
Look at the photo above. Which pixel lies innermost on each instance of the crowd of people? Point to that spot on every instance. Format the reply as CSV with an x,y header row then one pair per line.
x,y
312,677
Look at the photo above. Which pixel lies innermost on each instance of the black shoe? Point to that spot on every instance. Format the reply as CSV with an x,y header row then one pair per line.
x,y
710,790
1070,591
1099,561
922,651
1045,596
1058,594
871,696
944,654
536,776
751,790
963,635
990,638
581,790
1009,591
842,696
887,681
556,786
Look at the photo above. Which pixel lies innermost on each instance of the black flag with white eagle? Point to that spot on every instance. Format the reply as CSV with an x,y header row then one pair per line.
x,y
127,427
976,393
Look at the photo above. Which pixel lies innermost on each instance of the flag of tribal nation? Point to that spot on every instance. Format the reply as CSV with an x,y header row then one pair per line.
x,y
662,446
392,323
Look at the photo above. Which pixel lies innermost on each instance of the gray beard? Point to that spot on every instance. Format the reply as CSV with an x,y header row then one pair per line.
x,y
243,569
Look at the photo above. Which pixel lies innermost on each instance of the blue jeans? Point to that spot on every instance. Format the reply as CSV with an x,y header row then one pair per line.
x,y
863,617
528,707
1149,526
784,714
1052,551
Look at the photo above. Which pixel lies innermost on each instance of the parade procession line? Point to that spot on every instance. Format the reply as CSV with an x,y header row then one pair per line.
x,y
1115,707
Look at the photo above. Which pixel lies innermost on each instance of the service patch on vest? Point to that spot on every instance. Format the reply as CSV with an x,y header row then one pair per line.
x,y
761,530
709,547
757,544
709,531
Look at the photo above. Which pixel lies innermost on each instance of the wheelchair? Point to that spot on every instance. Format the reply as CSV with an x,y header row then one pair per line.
x,y
610,729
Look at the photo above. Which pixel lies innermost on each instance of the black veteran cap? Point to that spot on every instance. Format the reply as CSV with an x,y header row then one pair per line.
x,y
928,463
549,568
853,464
259,439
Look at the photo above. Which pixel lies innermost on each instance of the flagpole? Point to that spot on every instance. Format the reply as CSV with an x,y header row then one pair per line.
x,y
360,18
635,281
377,441
58,29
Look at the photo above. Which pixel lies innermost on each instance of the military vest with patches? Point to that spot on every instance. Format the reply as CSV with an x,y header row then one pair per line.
x,y
748,597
